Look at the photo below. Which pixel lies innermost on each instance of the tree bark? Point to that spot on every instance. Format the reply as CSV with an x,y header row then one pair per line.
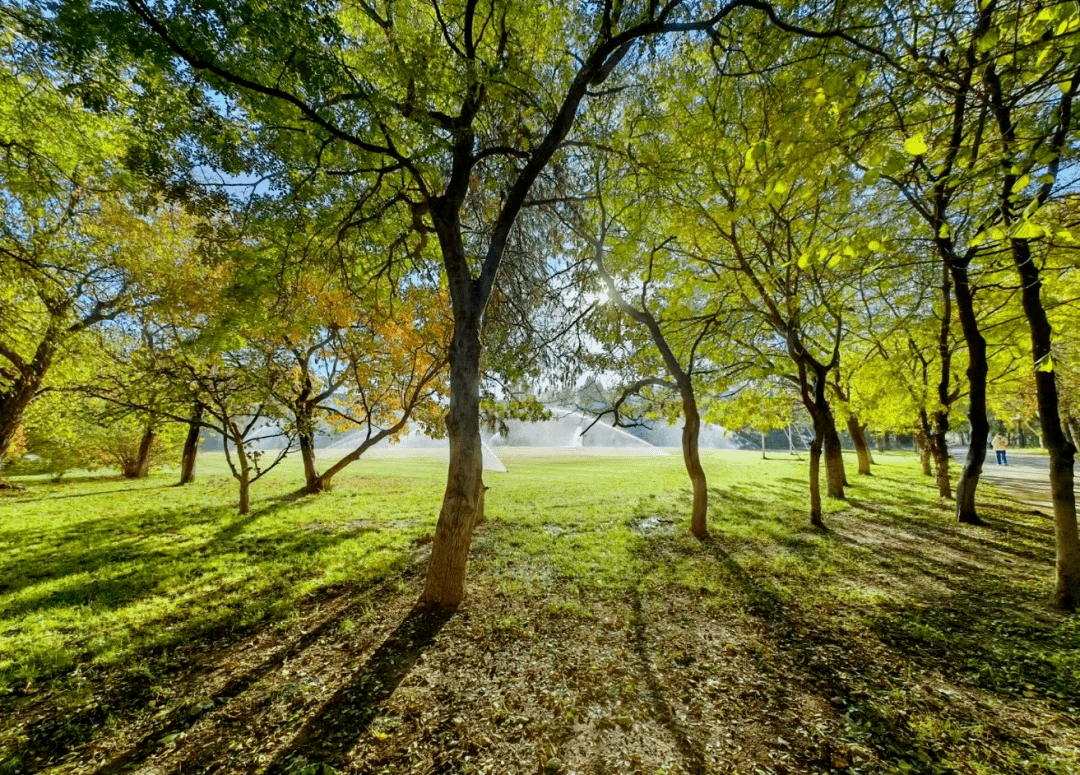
x,y
976,374
146,444
923,444
1067,591
307,454
691,431
763,446
940,453
815,482
862,449
12,408
445,584
191,446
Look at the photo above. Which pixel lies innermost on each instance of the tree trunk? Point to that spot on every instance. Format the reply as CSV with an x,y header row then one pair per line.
x,y
1067,591
923,444
763,446
691,431
307,454
244,478
245,489
1021,439
940,453
976,374
142,462
191,446
880,442
12,407
835,476
815,482
862,450
445,584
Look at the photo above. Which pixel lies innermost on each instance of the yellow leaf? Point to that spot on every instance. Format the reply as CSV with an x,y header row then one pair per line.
x,y
915,145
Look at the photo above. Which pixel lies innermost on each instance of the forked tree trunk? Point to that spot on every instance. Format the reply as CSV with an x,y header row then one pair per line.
x,y
1067,590
858,437
691,431
815,482
976,374
191,446
445,584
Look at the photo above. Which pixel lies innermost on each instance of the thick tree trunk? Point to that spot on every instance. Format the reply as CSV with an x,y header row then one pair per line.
x,y
976,374
835,475
245,493
445,584
940,453
922,442
191,446
691,431
1067,591
862,449
307,454
146,445
12,408
815,482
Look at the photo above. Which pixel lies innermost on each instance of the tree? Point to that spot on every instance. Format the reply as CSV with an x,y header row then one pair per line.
x,y
74,246
451,113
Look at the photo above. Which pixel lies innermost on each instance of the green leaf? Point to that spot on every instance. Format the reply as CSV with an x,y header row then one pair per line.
x,y
990,39
915,145
1028,230
1046,363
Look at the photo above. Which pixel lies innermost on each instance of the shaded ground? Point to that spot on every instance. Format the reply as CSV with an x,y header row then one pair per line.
x,y
598,637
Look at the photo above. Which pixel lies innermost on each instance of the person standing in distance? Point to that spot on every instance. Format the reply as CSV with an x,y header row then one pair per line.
x,y
1000,444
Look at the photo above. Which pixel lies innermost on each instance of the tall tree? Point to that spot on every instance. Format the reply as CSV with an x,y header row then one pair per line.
x,y
451,111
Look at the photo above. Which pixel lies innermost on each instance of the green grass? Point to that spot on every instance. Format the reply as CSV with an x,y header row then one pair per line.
x,y
96,570
887,612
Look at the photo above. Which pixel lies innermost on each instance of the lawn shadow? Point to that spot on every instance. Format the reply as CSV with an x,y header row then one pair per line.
x,y
327,737
691,750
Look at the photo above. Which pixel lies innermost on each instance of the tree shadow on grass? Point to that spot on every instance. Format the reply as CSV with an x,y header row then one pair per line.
x,y
958,611
691,750
328,737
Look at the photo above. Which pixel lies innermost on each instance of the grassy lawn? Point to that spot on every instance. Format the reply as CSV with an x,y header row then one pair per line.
x,y
147,626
